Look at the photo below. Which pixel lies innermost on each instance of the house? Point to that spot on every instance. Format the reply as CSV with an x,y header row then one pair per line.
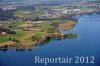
x,y
3,33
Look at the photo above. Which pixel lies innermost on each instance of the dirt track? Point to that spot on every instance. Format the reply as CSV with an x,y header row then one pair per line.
x,y
26,36
23,39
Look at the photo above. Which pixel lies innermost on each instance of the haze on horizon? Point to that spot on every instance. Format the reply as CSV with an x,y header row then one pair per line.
x,y
48,0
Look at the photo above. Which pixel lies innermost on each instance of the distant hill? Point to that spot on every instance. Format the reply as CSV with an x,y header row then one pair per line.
x,y
43,2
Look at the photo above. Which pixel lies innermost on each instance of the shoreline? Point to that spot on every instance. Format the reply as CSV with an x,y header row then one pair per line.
x,y
42,40
28,44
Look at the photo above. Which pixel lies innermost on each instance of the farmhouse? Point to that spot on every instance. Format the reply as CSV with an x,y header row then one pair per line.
x,y
3,33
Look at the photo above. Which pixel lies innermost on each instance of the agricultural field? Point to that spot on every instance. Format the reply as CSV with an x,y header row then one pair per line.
x,y
19,34
27,13
32,31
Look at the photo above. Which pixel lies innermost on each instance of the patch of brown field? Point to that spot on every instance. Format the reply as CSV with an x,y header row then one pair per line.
x,y
67,25
26,25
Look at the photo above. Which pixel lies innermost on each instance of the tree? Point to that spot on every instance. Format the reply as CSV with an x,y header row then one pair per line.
x,y
10,38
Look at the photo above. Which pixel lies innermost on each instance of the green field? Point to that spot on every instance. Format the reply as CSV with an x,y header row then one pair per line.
x,y
47,25
21,12
27,13
16,36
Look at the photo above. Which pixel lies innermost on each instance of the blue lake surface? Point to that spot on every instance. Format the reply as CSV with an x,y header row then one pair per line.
x,y
87,44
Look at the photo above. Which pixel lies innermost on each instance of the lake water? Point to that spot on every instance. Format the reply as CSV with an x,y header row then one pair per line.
x,y
87,44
